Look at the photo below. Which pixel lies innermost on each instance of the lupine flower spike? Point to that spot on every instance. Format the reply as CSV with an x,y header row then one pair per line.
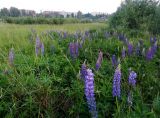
x,y
83,71
42,49
89,93
116,92
149,54
99,60
114,61
37,46
74,47
131,79
130,48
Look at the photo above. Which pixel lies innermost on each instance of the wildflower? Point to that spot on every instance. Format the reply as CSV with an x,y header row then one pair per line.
x,y
151,39
74,47
11,57
154,47
121,37
87,33
123,53
149,54
37,46
89,93
42,49
114,61
64,35
130,48
99,60
71,47
83,71
131,79
116,91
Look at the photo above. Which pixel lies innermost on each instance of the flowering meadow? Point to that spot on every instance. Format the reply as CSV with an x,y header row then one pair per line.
x,y
86,71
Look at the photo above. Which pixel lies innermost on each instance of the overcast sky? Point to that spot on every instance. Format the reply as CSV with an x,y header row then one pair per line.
x,y
105,6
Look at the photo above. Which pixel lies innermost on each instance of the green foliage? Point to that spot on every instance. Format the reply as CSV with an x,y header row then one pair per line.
x,y
50,85
137,14
31,20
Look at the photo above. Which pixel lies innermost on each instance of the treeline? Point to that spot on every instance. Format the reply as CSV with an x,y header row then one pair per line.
x,y
32,20
42,20
143,15
15,12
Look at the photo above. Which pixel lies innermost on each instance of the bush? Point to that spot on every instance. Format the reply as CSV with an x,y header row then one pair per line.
x,y
137,14
31,20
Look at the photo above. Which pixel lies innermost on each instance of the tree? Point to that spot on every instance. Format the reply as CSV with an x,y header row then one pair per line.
x,y
72,15
68,15
135,14
14,12
4,12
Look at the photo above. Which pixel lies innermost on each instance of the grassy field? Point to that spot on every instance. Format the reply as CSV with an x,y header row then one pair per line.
x,y
48,82
10,33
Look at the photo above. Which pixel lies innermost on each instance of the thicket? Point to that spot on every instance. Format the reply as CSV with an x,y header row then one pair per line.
x,y
141,15
42,20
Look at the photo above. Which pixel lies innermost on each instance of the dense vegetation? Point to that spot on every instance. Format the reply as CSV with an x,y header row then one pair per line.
x,y
82,70
137,15
50,84
22,16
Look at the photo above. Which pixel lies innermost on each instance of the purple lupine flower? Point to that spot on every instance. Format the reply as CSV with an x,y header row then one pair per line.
x,y
71,48
154,39
123,53
116,91
154,47
11,57
99,60
149,54
130,48
76,35
37,46
114,61
121,37
151,39
64,35
83,71
131,79
76,47
42,49
87,33
129,99
80,44
89,93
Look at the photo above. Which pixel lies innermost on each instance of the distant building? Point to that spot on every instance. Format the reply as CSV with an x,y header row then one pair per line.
x,y
24,12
